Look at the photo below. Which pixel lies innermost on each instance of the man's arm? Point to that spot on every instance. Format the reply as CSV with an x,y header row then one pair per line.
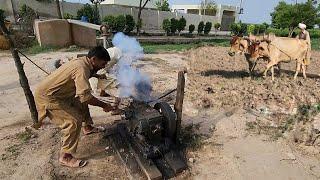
x,y
96,102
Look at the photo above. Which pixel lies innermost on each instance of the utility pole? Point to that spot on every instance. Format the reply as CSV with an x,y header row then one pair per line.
x,y
241,8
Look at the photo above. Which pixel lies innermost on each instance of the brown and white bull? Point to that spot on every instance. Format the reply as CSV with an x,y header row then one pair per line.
x,y
240,45
281,49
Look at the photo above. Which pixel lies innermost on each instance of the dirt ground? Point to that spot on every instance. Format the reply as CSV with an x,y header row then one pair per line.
x,y
221,101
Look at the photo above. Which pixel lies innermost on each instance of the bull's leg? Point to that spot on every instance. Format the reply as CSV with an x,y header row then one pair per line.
x,y
298,68
279,69
269,65
304,67
272,73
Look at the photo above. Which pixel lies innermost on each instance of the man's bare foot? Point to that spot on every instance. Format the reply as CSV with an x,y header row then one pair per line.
x,y
68,160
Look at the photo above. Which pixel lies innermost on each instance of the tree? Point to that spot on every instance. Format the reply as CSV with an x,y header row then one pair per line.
x,y
130,23
120,23
238,29
142,5
163,5
208,7
207,28
200,27
166,25
251,29
2,16
174,25
110,21
181,24
191,28
88,11
28,16
217,27
290,15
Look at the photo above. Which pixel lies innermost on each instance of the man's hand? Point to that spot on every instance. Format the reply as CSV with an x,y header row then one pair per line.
x,y
99,76
108,108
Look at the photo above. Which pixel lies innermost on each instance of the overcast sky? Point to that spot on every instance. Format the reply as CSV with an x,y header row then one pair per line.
x,y
255,11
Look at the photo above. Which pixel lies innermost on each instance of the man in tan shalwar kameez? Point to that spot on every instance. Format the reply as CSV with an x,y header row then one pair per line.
x,y
64,96
304,35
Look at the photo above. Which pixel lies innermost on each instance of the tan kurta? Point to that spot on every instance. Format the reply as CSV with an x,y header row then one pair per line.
x,y
69,82
306,36
62,96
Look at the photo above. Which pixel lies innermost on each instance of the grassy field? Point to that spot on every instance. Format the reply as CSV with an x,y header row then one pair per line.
x,y
315,44
151,48
158,48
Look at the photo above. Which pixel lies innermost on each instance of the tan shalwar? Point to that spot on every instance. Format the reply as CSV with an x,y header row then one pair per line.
x,y
62,97
306,36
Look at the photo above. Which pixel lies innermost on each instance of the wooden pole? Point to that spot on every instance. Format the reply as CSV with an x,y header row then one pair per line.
x,y
179,101
22,76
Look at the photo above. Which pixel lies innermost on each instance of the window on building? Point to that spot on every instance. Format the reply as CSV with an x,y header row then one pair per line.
x,y
193,11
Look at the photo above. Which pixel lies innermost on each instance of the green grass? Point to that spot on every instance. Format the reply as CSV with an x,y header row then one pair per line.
x,y
315,44
35,48
158,48
24,136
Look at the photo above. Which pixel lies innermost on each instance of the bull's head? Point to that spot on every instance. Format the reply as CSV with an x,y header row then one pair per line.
x,y
258,50
238,45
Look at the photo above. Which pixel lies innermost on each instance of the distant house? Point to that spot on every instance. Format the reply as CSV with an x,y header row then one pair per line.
x,y
224,13
193,9
130,3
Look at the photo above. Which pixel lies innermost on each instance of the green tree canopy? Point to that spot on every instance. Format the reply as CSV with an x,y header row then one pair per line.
x,y
290,15
163,5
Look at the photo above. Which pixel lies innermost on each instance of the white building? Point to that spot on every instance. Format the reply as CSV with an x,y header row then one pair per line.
x,y
193,9
131,3
224,13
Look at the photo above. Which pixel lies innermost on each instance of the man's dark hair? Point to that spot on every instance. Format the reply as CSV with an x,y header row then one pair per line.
x,y
99,52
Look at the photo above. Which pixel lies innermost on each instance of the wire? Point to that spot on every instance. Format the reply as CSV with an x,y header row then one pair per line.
x,y
32,62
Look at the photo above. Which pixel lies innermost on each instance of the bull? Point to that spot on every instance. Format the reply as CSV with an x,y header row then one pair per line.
x,y
281,49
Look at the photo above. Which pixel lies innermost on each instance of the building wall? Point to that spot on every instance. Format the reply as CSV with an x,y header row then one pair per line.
x,y
134,3
152,19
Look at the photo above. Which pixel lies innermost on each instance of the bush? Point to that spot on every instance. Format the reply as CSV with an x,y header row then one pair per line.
x,y
260,29
279,32
207,27
110,21
2,16
120,23
200,27
68,16
166,25
182,24
251,29
90,12
139,23
238,29
28,16
174,25
191,28
217,26
130,23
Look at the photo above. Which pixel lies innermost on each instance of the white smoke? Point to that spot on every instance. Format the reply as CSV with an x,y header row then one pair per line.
x,y
132,83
